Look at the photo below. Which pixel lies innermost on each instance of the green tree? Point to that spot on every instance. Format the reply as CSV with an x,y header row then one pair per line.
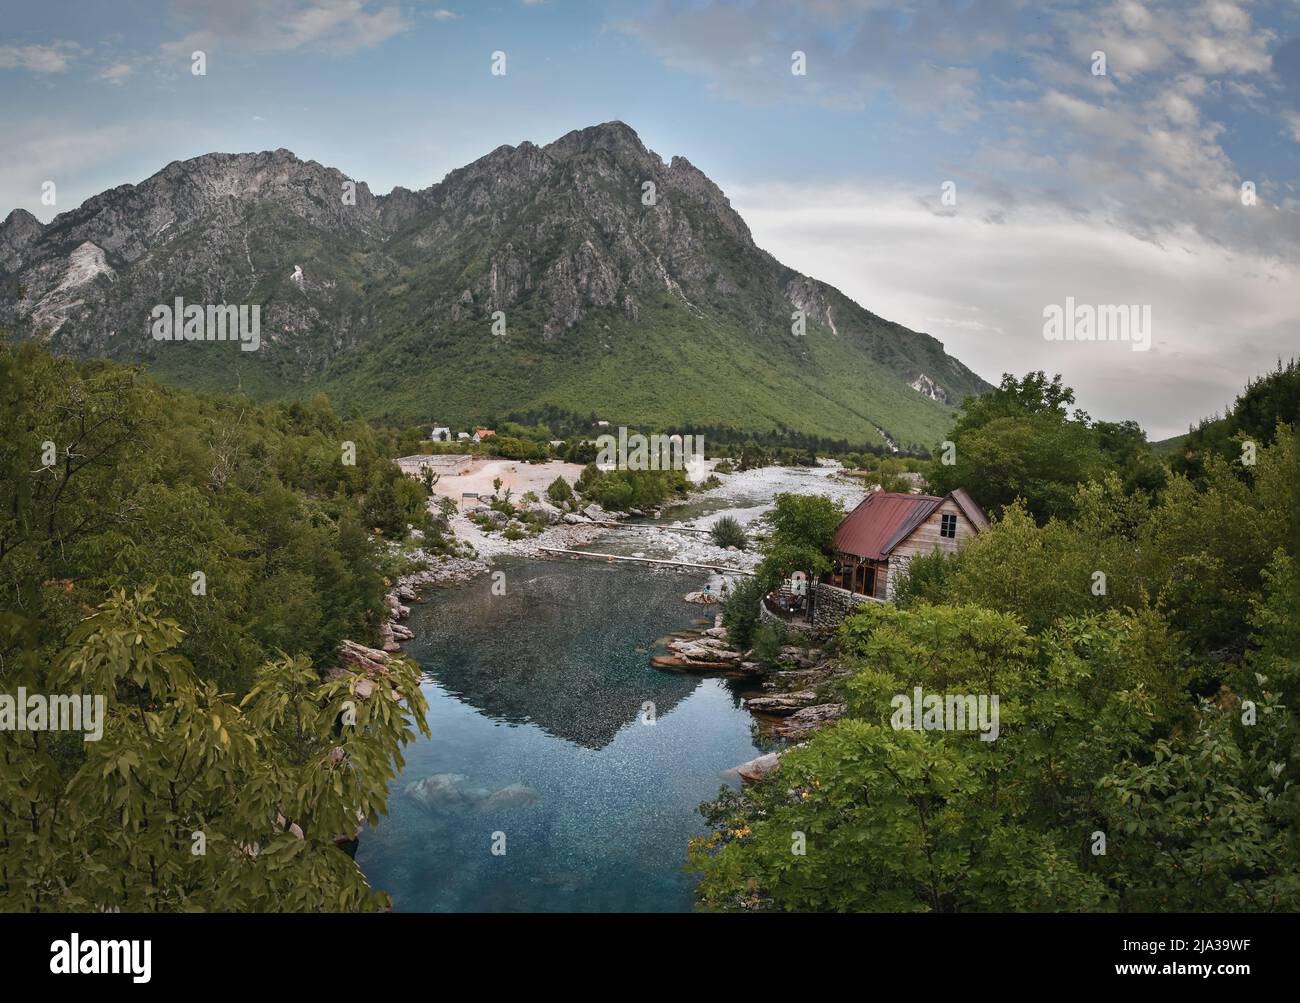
x,y
803,527
1253,417
903,820
740,610
1020,441
1156,714
191,800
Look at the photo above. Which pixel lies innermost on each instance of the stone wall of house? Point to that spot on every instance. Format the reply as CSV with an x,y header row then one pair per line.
x,y
765,615
833,604
897,568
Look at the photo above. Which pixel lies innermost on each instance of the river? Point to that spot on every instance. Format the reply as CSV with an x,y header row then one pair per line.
x,y
536,706
545,687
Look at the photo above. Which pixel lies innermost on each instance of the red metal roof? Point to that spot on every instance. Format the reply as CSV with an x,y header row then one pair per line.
x,y
882,519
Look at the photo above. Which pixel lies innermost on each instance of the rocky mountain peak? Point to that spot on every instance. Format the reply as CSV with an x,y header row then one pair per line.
x,y
20,219
613,137
276,174
592,240
18,230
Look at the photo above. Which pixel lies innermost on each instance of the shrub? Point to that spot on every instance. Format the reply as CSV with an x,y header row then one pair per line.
x,y
559,492
926,579
768,640
728,532
740,611
589,476
619,490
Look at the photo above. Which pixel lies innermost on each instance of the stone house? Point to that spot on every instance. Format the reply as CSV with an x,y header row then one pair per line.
x,y
878,539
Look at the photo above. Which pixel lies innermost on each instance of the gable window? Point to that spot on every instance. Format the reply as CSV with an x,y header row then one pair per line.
x,y
948,526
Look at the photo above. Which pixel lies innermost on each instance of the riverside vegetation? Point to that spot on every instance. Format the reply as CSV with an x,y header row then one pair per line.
x,y
1146,760
1156,713
199,561
231,764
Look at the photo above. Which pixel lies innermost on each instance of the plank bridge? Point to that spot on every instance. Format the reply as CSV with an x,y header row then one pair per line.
x,y
644,560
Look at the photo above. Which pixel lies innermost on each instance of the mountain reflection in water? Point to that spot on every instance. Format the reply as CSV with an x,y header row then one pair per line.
x,y
535,704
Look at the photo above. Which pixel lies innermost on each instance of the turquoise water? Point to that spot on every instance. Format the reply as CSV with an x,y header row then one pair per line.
x,y
539,694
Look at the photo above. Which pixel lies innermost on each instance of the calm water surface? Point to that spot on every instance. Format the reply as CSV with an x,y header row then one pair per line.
x,y
535,704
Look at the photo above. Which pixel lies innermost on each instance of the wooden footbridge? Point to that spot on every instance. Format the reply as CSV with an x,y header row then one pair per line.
x,y
644,560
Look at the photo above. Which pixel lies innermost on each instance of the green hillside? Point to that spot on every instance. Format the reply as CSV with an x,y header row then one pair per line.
x,y
667,369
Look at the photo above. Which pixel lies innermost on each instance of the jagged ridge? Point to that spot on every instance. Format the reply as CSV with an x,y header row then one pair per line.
x,y
657,313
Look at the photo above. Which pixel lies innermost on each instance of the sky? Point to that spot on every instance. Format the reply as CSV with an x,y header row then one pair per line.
x,y
958,166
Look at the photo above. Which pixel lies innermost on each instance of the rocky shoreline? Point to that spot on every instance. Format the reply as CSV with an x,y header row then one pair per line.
x,y
442,570
564,530
792,703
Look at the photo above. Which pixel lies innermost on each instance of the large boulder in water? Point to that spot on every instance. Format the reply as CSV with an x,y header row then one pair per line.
x,y
513,796
439,790
754,770
781,704
448,790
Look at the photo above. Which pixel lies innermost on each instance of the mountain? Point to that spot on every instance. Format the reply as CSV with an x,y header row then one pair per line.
x,y
1171,446
654,314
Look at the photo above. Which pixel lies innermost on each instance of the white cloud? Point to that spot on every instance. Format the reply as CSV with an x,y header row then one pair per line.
x,y
1141,147
117,73
260,26
855,51
37,58
1292,119
1142,40
1219,317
